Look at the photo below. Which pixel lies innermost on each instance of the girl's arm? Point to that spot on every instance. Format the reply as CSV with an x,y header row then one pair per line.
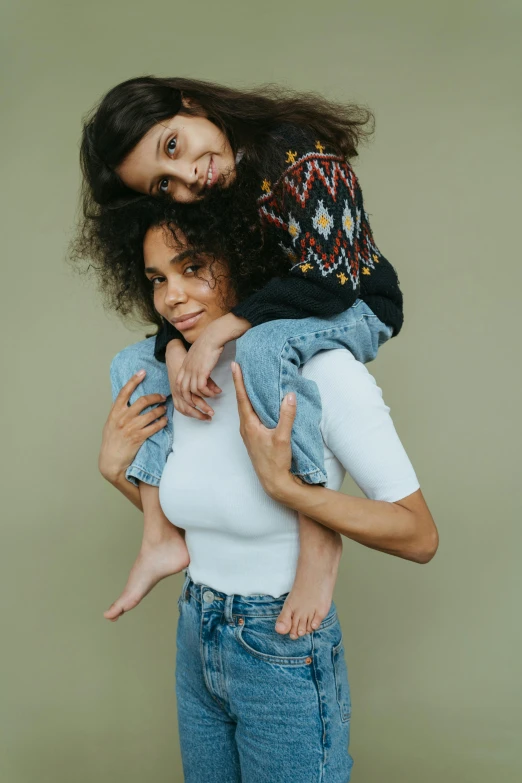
x,y
314,208
394,517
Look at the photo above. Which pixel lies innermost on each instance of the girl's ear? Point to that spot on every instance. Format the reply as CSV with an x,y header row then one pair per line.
x,y
191,105
187,102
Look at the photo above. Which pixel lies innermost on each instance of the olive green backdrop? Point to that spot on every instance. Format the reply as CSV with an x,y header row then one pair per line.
x,y
434,651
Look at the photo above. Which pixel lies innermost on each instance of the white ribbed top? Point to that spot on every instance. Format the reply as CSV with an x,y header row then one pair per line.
x,y
240,540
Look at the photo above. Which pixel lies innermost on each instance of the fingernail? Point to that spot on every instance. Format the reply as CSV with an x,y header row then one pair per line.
x,y
163,397
140,372
290,398
234,366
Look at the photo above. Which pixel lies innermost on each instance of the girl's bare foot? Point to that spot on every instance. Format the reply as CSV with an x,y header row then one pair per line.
x,y
159,557
310,598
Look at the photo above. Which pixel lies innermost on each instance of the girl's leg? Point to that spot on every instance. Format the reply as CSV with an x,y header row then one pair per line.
x,y
150,460
308,601
163,550
270,357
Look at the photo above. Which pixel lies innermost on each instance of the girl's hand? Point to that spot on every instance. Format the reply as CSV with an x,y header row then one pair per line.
x,y
175,356
126,429
270,450
193,379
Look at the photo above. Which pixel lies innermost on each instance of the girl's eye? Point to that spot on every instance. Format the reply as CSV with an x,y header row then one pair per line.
x,y
171,146
163,186
156,280
192,266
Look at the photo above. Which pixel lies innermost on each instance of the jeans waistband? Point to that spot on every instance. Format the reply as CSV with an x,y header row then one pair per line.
x,y
209,598
234,605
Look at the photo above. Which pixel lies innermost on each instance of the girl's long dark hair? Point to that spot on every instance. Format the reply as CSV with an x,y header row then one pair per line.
x,y
247,117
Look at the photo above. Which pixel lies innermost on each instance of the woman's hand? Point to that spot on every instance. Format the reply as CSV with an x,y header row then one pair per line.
x,y
127,428
270,450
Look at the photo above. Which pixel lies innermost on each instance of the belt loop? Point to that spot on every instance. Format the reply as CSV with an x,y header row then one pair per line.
x,y
229,603
185,588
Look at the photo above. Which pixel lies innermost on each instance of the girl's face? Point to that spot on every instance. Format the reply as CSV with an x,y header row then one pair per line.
x,y
184,157
190,290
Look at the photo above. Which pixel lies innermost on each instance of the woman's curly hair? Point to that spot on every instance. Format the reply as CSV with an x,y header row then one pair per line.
x,y
109,244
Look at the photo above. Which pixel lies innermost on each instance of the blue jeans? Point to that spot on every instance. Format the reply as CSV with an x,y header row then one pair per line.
x,y
255,706
270,356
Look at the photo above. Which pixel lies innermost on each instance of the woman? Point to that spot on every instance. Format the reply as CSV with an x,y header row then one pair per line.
x,y
255,706
286,155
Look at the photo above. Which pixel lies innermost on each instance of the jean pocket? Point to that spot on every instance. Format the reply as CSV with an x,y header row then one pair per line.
x,y
342,685
261,641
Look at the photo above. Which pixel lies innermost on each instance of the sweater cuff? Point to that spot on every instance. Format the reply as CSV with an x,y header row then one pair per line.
x,y
291,298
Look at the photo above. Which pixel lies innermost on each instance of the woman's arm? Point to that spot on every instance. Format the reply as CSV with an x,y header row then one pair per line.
x,y
404,528
316,208
124,431
364,440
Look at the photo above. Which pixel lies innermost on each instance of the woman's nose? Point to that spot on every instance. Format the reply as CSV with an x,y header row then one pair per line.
x,y
175,295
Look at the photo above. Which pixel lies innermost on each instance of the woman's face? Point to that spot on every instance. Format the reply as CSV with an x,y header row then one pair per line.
x,y
190,290
183,157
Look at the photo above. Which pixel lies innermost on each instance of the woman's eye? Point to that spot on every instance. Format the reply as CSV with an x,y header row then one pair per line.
x,y
155,281
163,186
171,146
192,267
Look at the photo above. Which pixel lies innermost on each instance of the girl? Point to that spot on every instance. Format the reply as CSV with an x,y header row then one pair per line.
x,y
253,705
286,155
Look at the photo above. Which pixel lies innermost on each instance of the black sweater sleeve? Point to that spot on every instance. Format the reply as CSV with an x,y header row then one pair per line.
x,y
164,336
317,209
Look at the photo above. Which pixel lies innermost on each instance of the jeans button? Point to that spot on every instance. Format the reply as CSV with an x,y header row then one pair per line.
x,y
208,596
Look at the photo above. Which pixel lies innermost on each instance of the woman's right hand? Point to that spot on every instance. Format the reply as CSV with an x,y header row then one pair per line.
x,y
127,428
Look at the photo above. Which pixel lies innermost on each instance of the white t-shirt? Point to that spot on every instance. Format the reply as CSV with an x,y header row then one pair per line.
x,y
239,539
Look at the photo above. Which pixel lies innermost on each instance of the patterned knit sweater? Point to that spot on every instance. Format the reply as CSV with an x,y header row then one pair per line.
x,y
312,199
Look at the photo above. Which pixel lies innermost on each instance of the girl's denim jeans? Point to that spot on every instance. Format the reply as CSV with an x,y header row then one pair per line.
x,y
270,356
255,706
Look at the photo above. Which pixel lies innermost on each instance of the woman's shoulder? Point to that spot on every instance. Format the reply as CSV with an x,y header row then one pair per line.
x,y
141,349
357,427
338,370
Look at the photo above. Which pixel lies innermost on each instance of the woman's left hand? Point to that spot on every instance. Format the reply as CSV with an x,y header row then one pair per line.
x,y
270,450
